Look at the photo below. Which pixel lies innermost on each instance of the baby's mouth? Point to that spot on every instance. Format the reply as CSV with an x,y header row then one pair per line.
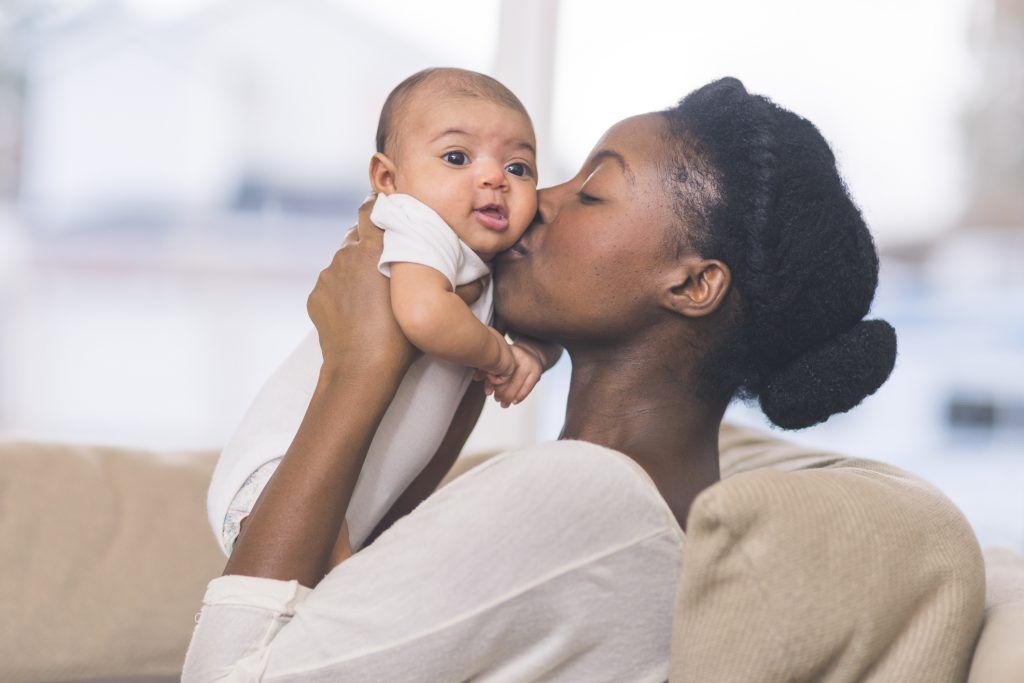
x,y
492,216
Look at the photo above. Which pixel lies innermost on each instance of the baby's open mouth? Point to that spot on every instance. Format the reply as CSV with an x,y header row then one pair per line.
x,y
492,216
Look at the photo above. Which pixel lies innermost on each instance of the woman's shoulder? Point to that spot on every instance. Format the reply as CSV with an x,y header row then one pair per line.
x,y
571,481
580,458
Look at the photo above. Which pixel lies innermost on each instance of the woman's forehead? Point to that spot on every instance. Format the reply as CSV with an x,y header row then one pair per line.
x,y
639,139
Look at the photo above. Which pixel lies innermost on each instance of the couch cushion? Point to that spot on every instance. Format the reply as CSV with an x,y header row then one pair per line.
x,y
104,557
999,656
808,566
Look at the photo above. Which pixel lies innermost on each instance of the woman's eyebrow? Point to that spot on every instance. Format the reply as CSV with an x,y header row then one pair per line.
x,y
602,154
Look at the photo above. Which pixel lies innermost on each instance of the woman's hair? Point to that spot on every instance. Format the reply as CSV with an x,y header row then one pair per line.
x,y
759,189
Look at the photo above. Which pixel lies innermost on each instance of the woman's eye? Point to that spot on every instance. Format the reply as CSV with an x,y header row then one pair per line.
x,y
519,169
456,158
586,198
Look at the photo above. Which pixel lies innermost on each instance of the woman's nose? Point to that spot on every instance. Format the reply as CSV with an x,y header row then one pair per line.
x,y
548,201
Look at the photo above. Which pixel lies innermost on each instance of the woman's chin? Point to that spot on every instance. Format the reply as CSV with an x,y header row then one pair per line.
x,y
515,300
521,318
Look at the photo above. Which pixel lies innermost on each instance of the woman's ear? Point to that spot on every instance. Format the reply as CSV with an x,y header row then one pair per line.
x,y
696,287
382,174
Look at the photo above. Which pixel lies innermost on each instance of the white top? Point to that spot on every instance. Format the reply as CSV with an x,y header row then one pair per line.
x,y
555,563
413,425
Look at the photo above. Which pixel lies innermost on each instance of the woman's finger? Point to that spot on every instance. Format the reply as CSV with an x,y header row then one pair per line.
x,y
350,305
471,292
351,237
366,228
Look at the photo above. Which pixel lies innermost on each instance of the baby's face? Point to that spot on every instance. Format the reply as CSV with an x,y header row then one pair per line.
x,y
474,163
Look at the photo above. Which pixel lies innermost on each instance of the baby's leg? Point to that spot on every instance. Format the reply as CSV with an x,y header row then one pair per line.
x,y
407,439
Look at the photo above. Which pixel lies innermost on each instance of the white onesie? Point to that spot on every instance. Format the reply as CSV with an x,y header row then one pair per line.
x,y
413,425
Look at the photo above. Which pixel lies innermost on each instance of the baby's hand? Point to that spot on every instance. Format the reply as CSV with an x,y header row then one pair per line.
x,y
524,378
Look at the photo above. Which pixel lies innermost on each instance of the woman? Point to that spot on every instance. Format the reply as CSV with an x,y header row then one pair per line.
x,y
701,253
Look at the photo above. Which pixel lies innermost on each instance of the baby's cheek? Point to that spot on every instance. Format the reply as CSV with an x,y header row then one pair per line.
x,y
523,213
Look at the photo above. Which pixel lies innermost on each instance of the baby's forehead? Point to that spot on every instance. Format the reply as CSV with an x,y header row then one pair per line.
x,y
425,103
444,104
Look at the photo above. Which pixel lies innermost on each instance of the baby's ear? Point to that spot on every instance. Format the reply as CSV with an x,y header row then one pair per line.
x,y
382,174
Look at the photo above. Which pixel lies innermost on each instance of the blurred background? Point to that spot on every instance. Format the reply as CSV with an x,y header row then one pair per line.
x,y
175,173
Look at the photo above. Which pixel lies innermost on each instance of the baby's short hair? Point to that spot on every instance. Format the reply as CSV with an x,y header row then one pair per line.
x,y
457,82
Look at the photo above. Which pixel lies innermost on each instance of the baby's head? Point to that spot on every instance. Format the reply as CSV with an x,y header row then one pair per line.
x,y
462,144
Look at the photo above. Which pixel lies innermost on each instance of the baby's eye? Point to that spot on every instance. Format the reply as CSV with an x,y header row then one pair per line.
x,y
519,169
456,158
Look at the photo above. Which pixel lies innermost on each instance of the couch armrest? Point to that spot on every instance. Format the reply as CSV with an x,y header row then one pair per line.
x,y
999,656
851,570
104,557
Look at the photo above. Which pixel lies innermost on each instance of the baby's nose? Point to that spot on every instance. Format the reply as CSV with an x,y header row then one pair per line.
x,y
491,175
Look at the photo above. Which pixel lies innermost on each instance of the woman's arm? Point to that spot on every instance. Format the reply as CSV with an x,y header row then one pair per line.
x,y
294,525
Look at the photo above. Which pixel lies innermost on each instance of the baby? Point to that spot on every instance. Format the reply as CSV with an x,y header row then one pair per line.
x,y
455,177
455,168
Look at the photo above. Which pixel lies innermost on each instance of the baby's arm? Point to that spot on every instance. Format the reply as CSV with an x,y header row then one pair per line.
x,y
439,323
547,352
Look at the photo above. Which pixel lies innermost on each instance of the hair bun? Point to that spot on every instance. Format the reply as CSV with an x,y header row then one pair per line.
x,y
831,378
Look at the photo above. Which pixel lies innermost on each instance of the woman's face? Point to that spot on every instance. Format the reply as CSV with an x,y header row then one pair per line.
x,y
588,267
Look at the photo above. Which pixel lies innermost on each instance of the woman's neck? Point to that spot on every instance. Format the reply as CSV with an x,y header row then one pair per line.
x,y
646,408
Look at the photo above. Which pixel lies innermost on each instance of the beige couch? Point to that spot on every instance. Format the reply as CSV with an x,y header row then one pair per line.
x,y
800,566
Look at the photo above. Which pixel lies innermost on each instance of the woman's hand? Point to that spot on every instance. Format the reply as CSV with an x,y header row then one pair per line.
x,y
350,306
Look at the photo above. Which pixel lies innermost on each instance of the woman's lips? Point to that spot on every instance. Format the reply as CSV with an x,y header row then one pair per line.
x,y
516,251
492,217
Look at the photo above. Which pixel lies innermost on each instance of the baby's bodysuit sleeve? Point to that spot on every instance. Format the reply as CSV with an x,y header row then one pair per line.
x,y
415,233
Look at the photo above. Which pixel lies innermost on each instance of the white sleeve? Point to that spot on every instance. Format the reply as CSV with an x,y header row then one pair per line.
x,y
415,233
532,562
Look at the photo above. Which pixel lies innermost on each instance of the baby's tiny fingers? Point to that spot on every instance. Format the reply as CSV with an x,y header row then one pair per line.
x,y
525,391
502,393
516,387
